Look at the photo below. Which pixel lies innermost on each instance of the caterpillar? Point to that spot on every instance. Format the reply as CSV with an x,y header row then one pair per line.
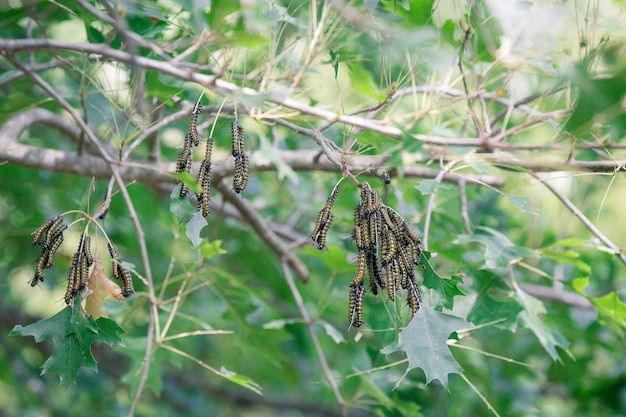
x,y
416,252
361,262
331,198
322,219
120,273
69,293
193,123
245,166
356,305
391,282
87,250
382,173
373,272
38,276
183,163
116,266
389,249
358,240
73,280
240,179
38,233
414,298
84,272
237,134
52,250
204,179
321,239
127,283
57,227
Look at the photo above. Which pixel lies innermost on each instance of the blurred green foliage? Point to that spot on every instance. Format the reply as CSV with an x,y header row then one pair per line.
x,y
227,323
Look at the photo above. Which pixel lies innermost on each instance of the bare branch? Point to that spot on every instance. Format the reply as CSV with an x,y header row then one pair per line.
x,y
254,219
157,173
581,216
550,293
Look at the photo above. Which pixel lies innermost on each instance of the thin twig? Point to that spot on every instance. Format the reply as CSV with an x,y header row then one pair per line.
x,y
581,216
481,396
309,325
431,202
464,212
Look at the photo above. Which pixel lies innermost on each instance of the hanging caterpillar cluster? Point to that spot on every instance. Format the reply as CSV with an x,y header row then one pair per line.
x,y
240,178
183,162
79,271
324,220
387,250
123,275
49,237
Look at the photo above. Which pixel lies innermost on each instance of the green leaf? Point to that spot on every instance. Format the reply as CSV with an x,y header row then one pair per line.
x,y
499,250
72,332
599,101
447,288
495,302
241,380
611,310
194,227
522,203
164,91
135,349
334,61
362,82
211,249
427,187
416,12
424,341
181,208
283,169
332,331
531,318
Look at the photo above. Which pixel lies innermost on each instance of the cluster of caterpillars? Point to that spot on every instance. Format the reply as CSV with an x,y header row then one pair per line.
x,y
121,274
240,178
387,249
79,271
324,220
49,237
184,161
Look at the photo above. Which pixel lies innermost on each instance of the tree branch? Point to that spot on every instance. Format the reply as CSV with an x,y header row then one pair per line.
x,y
157,173
581,216
254,219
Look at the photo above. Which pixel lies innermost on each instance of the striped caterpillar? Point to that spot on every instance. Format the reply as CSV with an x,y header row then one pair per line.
x,y
382,173
193,123
49,237
237,134
204,180
240,178
355,316
120,273
183,163
324,220
79,270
